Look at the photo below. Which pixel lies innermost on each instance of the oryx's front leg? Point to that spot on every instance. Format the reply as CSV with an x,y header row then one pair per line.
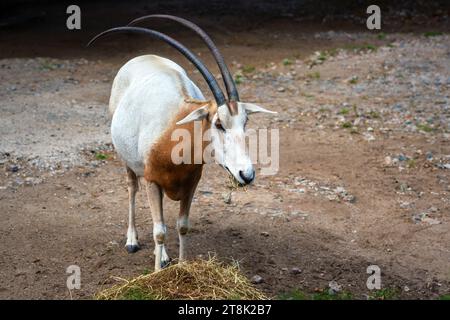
x,y
155,197
183,224
132,244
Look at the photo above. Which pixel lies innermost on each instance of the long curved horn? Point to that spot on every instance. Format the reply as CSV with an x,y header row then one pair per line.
x,y
210,80
230,85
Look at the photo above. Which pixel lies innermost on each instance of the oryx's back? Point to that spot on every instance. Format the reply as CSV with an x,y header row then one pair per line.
x,y
161,73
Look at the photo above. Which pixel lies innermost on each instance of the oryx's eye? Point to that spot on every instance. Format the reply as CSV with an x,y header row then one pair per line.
x,y
219,126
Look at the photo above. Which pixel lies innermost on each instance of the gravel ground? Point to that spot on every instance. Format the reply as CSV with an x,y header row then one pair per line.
x,y
364,170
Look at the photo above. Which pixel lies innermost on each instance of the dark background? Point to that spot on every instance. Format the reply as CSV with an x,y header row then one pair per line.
x,y
33,28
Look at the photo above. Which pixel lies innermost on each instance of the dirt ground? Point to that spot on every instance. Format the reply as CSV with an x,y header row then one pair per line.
x,y
364,175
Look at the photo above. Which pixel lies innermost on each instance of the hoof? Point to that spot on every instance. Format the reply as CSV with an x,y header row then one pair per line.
x,y
165,263
132,248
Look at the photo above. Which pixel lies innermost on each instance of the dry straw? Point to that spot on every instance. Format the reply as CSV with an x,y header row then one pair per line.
x,y
193,280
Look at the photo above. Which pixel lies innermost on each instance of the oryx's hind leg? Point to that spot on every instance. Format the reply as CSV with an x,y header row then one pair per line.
x,y
183,225
155,198
132,244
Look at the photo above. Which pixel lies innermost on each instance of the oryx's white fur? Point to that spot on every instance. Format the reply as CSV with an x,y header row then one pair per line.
x,y
147,93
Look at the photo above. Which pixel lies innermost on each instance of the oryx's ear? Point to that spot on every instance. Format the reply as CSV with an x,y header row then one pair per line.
x,y
253,108
197,114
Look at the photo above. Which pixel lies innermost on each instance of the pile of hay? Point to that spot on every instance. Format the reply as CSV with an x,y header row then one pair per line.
x,y
194,280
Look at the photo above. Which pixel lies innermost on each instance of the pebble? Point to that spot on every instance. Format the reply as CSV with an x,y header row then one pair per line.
x,y
32,181
388,160
257,279
296,270
334,288
227,197
405,205
423,217
14,168
369,137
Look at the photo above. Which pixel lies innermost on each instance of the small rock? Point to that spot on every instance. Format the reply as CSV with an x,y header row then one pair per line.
x,y
443,165
13,168
257,279
227,197
431,221
281,89
423,217
296,270
406,289
369,137
32,181
388,161
265,234
349,198
340,190
405,204
334,287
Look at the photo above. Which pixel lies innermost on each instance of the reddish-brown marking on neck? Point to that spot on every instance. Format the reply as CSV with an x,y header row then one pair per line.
x,y
177,180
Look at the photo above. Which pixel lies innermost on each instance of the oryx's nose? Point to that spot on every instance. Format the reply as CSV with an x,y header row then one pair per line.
x,y
248,178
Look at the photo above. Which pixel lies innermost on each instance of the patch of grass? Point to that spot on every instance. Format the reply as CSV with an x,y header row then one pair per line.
x,y
384,294
445,297
374,115
293,295
344,111
429,34
136,293
355,110
146,271
325,295
308,95
354,131
347,125
248,69
424,127
101,156
238,78
381,36
314,75
332,52
47,65
323,56
354,80
411,163
287,62
364,47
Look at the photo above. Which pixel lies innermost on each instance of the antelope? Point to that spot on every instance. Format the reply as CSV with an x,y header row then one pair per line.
x,y
152,96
